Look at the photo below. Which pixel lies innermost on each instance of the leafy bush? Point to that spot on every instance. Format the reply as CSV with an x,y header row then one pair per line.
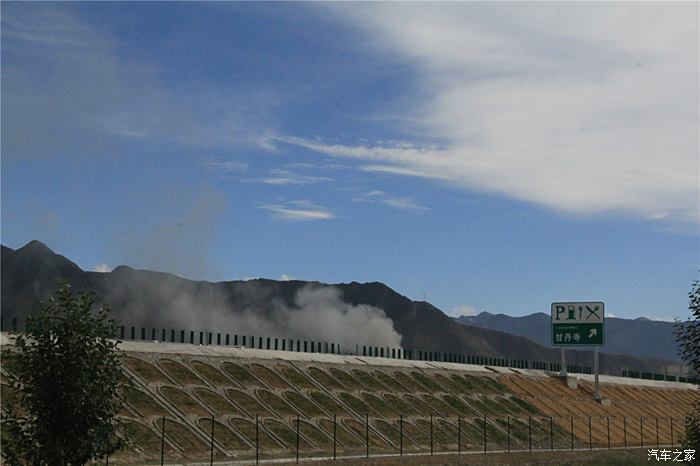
x,y
67,373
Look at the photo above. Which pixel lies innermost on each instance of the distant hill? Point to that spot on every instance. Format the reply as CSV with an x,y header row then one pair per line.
x,y
146,298
623,336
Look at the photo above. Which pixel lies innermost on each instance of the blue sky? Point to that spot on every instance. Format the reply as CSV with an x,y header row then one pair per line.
x,y
496,157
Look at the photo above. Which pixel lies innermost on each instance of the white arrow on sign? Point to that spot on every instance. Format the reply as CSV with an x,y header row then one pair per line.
x,y
592,333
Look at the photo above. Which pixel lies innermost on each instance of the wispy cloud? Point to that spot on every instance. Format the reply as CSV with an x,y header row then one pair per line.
x,y
223,166
281,177
69,90
403,203
400,203
582,108
402,171
300,210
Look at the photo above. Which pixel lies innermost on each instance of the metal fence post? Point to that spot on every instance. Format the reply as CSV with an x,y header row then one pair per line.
x,y
590,434
529,431
162,442
257,442
297,438
211,457
367,434
334,438
400,434
657,432
671,419
608,432
572,433
431,434
641,432
624,430
551,434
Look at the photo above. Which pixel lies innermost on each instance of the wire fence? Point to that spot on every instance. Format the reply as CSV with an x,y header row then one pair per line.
x,y
335,437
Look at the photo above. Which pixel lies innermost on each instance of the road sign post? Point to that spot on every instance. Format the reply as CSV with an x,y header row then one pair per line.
x,y
562,372
579,324
596,394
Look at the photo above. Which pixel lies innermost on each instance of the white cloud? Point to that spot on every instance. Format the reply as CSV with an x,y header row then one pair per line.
x,y
282,177
403,203
102,268
226,166
286,278
462,310
402,171
298,211
584,108
399,203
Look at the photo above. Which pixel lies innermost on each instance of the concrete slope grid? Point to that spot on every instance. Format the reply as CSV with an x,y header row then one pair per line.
x,y
269,404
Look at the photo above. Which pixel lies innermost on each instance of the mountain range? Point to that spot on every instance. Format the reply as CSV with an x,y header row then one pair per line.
x,y
622,336
145,298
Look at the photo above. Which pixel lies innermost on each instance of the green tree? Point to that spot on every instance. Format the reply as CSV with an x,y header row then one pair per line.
x,y
66,372
688,337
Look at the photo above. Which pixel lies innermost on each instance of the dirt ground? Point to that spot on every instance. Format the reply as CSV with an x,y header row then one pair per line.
x,y
503,459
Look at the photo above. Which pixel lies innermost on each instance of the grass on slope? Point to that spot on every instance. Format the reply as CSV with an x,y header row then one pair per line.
x,y
216,402
296,377
142,401
179,372
328,403
347,379
400,405
269,377
223,435
183,401
342,436
241,375
142,436
303,405
191,445
212,374
146,370
368,380
325,379
389,381
314,434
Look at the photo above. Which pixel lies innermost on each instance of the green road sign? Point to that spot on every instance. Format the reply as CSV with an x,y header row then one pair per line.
x,y
578,324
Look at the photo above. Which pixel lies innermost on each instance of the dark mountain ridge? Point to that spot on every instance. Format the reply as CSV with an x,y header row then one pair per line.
x,y
623,336
147,298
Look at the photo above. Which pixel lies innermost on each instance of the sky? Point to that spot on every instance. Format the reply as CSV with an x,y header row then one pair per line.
x,y
483,156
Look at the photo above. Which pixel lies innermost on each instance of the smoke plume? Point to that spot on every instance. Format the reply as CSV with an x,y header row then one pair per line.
x,y
314,312
319,313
